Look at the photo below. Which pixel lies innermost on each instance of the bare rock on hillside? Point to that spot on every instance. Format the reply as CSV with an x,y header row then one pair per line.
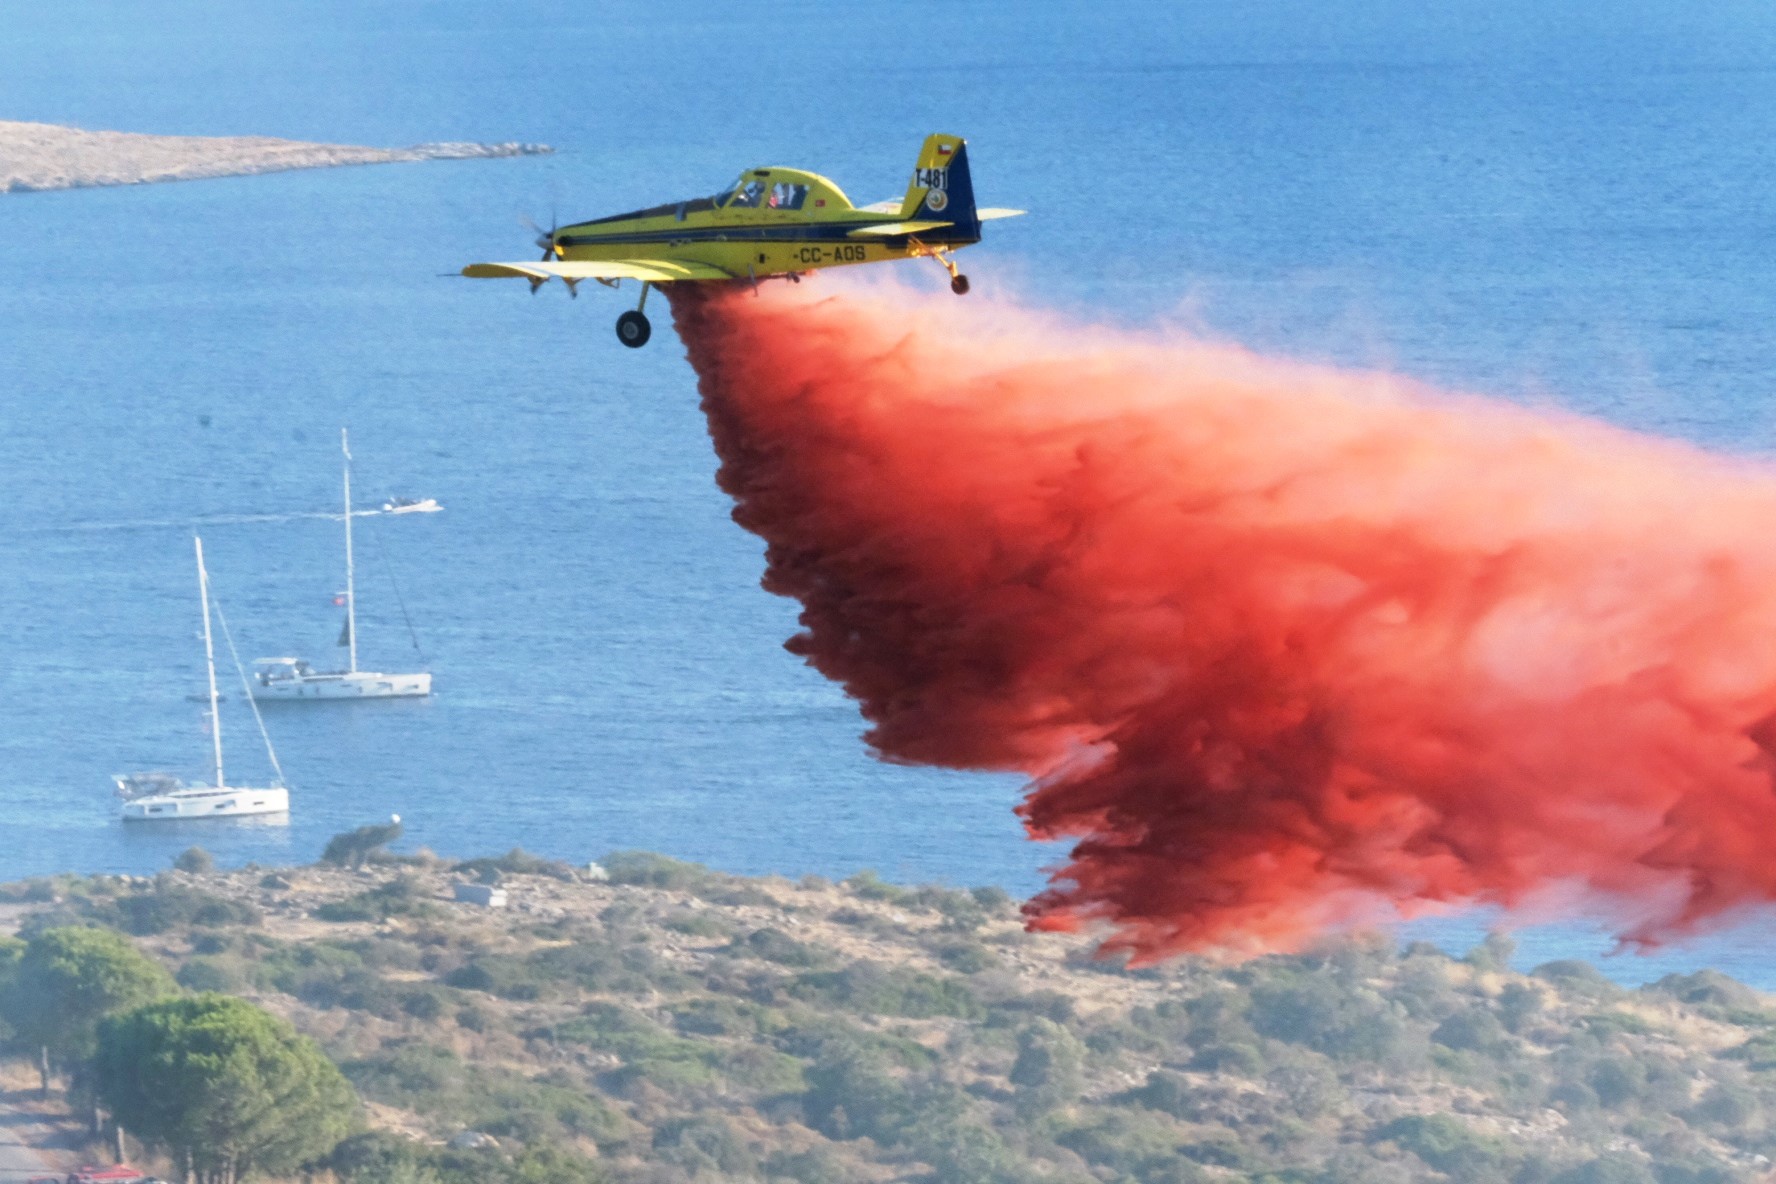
x,y
35,156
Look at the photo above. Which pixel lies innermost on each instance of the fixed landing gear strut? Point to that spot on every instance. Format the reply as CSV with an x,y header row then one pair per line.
x,y
958,281
633,329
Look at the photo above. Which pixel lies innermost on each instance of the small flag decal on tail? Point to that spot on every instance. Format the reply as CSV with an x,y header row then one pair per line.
x,y
944,149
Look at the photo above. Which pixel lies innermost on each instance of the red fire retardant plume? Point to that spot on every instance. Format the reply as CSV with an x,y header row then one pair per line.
x,y
1284,648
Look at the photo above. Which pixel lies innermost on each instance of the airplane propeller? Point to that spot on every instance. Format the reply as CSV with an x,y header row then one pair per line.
x,y
546,238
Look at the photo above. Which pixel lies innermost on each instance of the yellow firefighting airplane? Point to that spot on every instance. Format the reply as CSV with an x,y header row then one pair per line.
x,y
771,222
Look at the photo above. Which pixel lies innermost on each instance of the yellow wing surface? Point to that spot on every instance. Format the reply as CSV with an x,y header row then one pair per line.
x,y
653,271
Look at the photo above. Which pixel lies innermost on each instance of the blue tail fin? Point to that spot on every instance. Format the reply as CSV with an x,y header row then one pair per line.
x,y
942,190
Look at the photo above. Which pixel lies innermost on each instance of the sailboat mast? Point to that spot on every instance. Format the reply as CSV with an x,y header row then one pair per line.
x,y
203,588
351,589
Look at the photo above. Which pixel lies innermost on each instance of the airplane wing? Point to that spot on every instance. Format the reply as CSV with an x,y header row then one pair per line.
x,y
653,271
893,228
987,215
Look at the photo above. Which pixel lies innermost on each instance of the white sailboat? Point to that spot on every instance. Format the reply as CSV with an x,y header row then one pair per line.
x,y
294,679
158,797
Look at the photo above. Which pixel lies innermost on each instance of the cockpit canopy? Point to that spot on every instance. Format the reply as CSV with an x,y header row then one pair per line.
x,y
781,189
789,190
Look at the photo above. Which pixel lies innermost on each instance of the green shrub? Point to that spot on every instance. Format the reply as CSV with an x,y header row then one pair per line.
x,y
649,870
544,1112
995,901
605,966
504,977
516,862
698,924
1579,977
960,1148
819,1164
1707,989
704,1143
211,974
323,974
966,957
1472,1029
853,1090
762,1070
1347,1025
423,1005
1518,1004
1617,1080
1239,1058
375,1157
1048,1070
773,945
716,1017
649,1051
167,905
400,897
353,848
1608,1170
1445,1142
1221,1150
1133,1145
1167,1092
1052,1005
869,886
871,989
195,860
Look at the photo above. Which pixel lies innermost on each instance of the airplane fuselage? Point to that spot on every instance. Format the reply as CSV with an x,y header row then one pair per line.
x,y
812,225
770,222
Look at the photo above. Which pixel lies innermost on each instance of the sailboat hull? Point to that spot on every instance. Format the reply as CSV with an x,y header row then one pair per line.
x,y
189,804
362,684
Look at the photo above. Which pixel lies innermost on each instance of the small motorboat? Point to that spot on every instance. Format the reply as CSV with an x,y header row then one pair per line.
x,y
411,505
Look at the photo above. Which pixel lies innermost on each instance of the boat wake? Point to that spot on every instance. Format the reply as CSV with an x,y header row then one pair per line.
x,y
205,520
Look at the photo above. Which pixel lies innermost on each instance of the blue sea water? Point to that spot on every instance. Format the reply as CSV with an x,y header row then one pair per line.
x,y
1562,203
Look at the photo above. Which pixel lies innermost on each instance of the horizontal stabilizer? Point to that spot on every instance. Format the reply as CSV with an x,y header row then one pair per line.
x,y
653,271
890,229
988,214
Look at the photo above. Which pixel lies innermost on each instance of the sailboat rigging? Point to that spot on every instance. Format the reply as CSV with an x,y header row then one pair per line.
x,y
295,679
157,797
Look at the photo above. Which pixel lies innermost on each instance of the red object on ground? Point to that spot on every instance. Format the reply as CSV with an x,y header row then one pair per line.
x,y
95,1174
1285,648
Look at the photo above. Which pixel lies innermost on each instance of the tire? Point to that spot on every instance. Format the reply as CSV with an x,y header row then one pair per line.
x,y
959,285
633,329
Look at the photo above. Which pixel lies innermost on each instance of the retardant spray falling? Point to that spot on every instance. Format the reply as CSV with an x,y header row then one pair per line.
x,y
1285,648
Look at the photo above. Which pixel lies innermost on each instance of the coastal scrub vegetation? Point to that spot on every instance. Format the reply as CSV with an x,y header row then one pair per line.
x,y
665,1024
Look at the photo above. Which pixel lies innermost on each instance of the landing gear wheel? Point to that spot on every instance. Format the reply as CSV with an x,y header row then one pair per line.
x,y
959,285
633,329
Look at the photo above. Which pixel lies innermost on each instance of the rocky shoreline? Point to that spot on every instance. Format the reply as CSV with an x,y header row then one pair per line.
x,y
43,156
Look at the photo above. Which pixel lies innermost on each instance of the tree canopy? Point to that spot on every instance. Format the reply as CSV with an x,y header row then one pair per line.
x,y
226,1087
351,848
66,981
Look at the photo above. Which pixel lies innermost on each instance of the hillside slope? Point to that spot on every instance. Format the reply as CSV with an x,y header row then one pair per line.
x,y
674,1024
